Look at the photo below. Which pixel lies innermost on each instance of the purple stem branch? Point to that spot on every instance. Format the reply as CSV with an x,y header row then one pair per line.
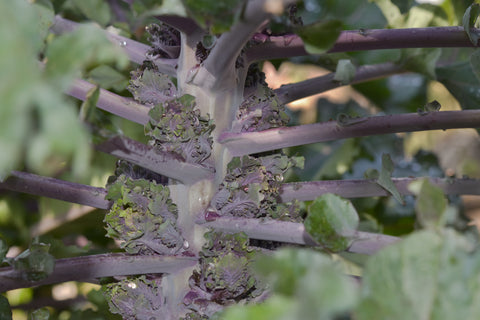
x,y
255,142
135,50
291,232
306,191
90,268
121,106
275,47
160,162
291,92
57,189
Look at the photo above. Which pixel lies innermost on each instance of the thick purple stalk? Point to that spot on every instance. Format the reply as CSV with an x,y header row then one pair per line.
x,y
160,162
124,107
291,92
291,232
91,268
254,142
291,45
56,189
306,191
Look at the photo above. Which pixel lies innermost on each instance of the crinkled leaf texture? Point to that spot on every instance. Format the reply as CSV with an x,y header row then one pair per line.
x,y
136,298
261,110
177,126
151,87
224,276
165,41
251,188
305,284
143,217
428,275
332,222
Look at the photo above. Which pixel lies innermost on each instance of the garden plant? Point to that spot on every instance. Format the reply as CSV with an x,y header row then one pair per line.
x,y
147,162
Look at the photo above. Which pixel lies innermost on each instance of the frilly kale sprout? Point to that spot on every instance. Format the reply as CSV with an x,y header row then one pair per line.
x,y
143,217
260,110
224,276
251,188
151,87
176,126
136,298
165,41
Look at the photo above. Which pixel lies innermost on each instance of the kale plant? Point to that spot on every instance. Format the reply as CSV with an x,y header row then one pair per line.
x,y
225,202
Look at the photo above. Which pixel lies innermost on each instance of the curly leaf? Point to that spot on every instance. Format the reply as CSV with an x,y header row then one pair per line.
x,y
469,21
151,87
332,222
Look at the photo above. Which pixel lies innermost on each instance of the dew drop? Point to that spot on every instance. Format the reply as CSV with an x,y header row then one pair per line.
x,y
132,285
123,43
186,245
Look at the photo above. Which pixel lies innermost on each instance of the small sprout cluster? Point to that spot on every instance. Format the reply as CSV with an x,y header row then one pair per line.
x,y
149,86
135,298
176,127
142,217
260,110
224,276
251,188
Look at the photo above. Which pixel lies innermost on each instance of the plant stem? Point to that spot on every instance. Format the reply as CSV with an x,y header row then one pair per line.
x,y
163,163
135,50
291,232
305,191
291,92
56,189
254,142
124,107
275,47
90,268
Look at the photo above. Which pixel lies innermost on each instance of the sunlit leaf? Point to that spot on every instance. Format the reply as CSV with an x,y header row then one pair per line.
x,y
391,12
345,71
332,222
320,36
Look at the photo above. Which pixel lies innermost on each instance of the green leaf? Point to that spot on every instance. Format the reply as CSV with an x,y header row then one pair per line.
x,y
391,12
315,285
431,204
216,16
320,36
40,314
44,9
332,222
5,311
475,63
462,83
421,60
275,308
469,20
89,104
340,161
428,275
108,78
70,53
345,71
3,249
35,263
385,178
96,10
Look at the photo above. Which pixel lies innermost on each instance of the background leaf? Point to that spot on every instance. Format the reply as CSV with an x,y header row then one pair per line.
x,y
320,36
